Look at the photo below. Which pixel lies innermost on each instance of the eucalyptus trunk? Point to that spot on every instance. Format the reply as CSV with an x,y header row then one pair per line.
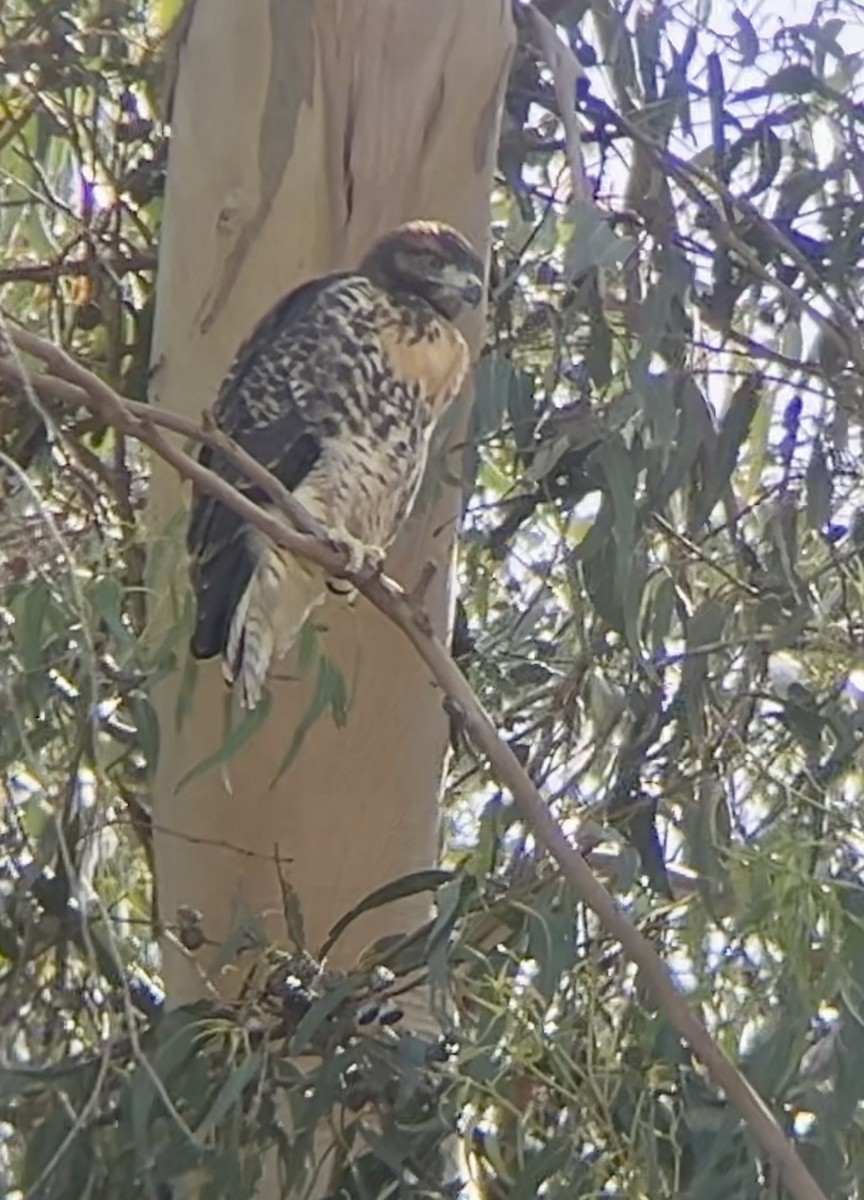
x,y
301,131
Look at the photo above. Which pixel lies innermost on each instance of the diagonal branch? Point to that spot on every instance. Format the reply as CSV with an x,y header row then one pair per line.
x,y
75,385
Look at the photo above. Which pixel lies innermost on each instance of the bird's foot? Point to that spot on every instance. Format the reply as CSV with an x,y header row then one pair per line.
x,y
373,563
362,562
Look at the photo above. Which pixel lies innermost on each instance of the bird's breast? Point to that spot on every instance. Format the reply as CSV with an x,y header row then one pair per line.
x,y
432,357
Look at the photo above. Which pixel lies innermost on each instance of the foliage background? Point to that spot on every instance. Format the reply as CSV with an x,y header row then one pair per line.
x,y
660,602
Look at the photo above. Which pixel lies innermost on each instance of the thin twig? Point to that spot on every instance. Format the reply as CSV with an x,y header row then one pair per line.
x,y
75,385
50,272
699,553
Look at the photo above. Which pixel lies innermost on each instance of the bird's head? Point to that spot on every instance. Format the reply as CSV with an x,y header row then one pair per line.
x,y
430,260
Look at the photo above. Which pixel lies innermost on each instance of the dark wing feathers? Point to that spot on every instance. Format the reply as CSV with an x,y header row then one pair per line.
x,y
222,561
285,313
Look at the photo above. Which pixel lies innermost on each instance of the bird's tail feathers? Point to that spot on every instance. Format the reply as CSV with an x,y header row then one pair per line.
x,y
281,594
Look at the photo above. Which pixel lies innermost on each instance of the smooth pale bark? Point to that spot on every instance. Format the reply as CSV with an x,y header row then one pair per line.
x,y
300,131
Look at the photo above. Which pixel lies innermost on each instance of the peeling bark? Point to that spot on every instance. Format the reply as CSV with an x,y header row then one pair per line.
x,y
301,131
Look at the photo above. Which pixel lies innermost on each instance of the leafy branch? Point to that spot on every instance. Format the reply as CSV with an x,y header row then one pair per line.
x,y
73,385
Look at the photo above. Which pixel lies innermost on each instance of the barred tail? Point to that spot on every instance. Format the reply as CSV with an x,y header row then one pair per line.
x,y
268,618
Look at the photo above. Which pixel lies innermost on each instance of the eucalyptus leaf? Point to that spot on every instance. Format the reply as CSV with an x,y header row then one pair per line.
x,y
235,739
330,693
592,242
230,1095
734,430
820,488
406,885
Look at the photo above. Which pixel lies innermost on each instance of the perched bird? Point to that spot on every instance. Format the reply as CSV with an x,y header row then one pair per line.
x,y
337,392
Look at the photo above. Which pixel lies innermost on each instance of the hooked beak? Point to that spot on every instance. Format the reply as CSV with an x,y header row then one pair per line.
x,y
472,291
464,282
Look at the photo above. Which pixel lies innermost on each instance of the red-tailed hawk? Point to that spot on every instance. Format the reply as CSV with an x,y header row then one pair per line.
x,y
337,392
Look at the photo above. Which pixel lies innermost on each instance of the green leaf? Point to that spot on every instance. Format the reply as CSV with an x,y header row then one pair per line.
x,y
598,353
704,629
160,660
662,314
43,1144
493,378
847,1092
797,187
392,1147
106,596
171,1048
551,942
734,430
618,467
600,578
330,692
592,242
538,1165
307,647
233,742
450,901
656,393
186,691
314,1018
825,1160
662,605
820,487
695,432
521,408
246,933
165,13
231,1093
339,698
500,390
757,457
770,149
747,39
828,43
398,889
491,825
147,725
30,610
722,1167
771,1062
794,80
164,550
707,829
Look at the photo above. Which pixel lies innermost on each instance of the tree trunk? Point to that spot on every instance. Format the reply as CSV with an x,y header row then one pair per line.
x,y
301,129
